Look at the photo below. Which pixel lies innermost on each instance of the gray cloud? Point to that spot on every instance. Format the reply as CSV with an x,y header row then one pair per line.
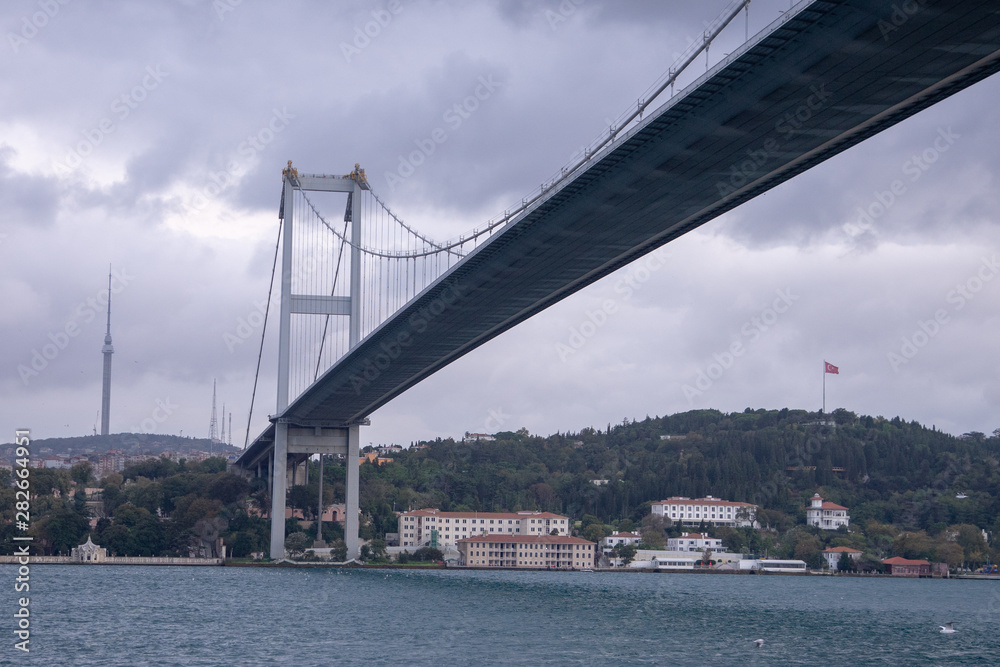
x,y
159,197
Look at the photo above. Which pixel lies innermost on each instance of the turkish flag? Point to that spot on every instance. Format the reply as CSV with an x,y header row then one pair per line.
x,y
830,368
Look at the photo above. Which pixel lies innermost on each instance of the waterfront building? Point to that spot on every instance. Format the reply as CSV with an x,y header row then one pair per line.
x,y
436,528
826,515
713,511
616,538
88,553
833,555
694,542
660,559
904,567
526,551
774,565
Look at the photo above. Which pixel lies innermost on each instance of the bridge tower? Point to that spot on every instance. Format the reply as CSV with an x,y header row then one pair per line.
x,y
294,439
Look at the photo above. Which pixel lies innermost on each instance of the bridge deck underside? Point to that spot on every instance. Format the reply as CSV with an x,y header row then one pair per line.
x,y
833,62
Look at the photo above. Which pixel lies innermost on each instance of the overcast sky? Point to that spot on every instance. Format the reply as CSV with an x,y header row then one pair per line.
x,y
151,136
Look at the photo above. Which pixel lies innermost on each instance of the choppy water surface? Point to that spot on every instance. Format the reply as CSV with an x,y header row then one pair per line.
x,y
110,615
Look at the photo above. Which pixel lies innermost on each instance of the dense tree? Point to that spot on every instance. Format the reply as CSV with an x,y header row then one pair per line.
x,y
296,543
82,473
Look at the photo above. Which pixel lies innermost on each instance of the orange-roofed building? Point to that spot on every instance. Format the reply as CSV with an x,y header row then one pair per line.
x,y
560,552
904,567
713,511
436,528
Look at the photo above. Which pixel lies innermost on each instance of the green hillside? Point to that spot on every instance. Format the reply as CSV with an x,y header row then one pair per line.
x,y
911,491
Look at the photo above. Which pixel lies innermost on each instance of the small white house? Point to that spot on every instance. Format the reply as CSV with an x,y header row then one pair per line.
x,y
616,538
694,542
833,555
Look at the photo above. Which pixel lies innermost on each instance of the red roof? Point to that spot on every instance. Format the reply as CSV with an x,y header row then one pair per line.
x,y
526,539
483,515
899,560
841,550
832,506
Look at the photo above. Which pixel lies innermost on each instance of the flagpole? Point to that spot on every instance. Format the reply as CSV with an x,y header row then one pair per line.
x,y
824,388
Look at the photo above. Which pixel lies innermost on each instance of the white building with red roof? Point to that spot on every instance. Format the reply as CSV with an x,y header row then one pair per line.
x,y
713,511
826,515
528,551
432,527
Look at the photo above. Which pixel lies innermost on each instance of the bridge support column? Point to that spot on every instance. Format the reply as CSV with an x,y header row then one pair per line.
x,y
278,478
351,523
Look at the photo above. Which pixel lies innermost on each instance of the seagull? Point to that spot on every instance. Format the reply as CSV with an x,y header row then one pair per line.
x,y
760,642
948,628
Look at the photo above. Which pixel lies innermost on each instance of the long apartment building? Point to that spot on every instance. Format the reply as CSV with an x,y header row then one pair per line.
x,y
527,551
713,511
431,527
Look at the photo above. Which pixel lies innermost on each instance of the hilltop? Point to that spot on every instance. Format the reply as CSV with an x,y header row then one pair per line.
x,y
130,443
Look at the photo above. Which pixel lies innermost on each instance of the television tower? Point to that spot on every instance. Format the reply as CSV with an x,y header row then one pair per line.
x,y
213,425
107,351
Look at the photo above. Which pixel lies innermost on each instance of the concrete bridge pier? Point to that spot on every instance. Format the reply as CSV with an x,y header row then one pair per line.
x,y
293,441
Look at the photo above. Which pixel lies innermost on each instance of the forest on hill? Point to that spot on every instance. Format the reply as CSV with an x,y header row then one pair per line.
x,y
911,490
883,469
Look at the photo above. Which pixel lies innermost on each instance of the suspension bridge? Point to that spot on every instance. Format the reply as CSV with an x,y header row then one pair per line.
x,y
370,306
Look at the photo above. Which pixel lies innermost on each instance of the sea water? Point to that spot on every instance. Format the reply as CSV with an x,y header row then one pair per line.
x,y
119,615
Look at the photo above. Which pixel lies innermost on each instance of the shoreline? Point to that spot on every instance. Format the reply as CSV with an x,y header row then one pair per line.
x,y
166,561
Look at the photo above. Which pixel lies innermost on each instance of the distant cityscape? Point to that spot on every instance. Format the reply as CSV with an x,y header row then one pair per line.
x,y
113,453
